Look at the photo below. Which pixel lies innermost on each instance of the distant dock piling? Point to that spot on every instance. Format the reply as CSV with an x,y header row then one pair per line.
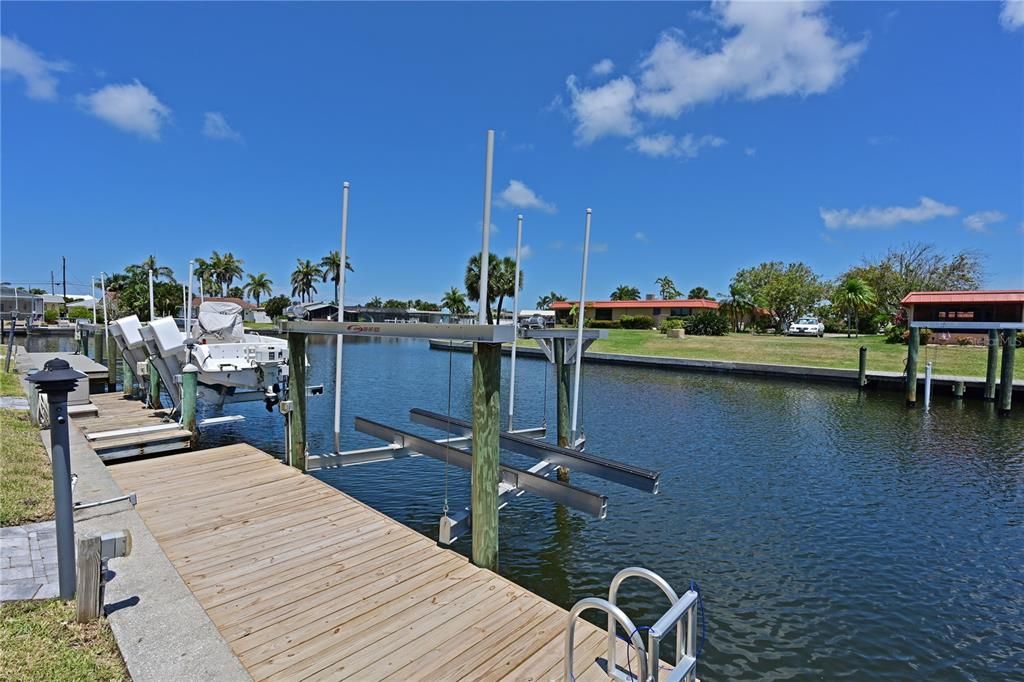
x,y
1006,379
993,364
913,345
862,367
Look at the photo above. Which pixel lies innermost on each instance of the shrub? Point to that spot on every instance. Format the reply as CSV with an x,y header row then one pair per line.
x,y
602,324
963,341
1020,339
79,312
925,336
636,322
895,334
274,307
672,323
707,323
50,315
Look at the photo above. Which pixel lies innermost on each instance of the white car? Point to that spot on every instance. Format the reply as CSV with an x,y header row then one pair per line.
x,y
806,326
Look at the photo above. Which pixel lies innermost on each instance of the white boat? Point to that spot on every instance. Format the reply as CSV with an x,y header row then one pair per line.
x,y
233,366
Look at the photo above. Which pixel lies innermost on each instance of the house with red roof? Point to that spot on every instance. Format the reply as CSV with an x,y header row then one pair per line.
x,y
613,311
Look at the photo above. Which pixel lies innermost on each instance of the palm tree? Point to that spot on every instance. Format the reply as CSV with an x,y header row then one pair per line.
x,y
737,302
259,285
147,264
625,293
667,288
204,272
331,266
454,301
472,282
306,272
375,302
225,270
545,301
504,280
853,295
697,292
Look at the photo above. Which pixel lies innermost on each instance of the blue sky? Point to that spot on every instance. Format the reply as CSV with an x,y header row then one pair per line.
x,y
706,138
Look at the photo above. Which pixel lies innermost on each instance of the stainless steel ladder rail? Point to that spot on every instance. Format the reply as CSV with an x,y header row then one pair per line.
x,y
680,607
614,614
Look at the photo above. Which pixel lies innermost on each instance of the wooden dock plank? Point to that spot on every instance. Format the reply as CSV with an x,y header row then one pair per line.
x,y
305,582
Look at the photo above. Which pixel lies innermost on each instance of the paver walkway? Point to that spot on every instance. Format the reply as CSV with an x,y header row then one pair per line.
x,y
28,561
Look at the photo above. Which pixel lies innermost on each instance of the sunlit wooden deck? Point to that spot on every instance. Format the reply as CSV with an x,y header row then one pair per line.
x,y
305,582
116,413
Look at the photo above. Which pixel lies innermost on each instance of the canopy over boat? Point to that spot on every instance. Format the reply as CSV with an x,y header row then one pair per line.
x,y
219,322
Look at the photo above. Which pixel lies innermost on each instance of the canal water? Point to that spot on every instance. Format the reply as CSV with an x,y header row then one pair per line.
x,y
833,534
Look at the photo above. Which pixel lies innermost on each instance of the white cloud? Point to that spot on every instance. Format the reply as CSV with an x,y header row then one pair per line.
x,y
216,127
599,247
887,216
131,107
604,110
664,144
1012,15
603,67
525,252
641,237
770,49
979,222
18,59
879,140
750,151
518,195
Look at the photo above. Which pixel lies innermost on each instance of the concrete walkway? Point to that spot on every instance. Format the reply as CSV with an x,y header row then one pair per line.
x,y
28,562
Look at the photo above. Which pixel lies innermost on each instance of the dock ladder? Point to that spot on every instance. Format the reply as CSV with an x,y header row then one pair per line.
x,y
648,664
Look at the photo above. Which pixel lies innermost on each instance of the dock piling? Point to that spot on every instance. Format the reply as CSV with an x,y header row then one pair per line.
x,y
297,397
1006,379
958,389
485,479
154,386
108,352
862,367
189,386
927,385
993,362
913,344
127,380
563,376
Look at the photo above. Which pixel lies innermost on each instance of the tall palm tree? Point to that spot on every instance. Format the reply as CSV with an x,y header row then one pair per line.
x,y
375,302
625,293
303,277
504,280
736,303
545,301
454,301
259,285
147,264
331,266
853,295
204,273
472,282
667,288
697,292
226,269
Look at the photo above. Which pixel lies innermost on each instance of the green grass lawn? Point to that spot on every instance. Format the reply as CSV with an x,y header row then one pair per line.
x,y
40,640
832,352
26,486
10,385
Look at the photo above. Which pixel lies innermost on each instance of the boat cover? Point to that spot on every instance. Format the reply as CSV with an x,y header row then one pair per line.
x,y
219,322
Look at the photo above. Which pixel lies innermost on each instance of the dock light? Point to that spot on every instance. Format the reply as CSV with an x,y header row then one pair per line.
x,y
56,380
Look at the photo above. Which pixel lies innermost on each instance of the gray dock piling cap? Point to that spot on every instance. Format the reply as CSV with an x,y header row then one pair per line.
x,y
56,375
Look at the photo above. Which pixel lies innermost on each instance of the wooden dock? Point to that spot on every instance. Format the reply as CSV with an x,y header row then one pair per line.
x,y
304,582
115,414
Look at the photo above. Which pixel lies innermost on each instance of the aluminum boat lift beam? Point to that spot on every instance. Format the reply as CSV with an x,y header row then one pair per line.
x,y
610,470
545,339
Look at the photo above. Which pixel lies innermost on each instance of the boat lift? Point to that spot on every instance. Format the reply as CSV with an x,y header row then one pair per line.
x,y
472,445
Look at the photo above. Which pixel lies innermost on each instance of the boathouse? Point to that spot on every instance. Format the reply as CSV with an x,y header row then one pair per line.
x,y
966,307
613,311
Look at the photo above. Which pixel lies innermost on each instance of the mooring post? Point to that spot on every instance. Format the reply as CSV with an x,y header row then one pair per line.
x,y
958,389
154,386
111,361
56,380
486,425
563,374
83,340
927,385
993,364
98,351
913,344
189,387
297,398
127,380
862,368
1006,378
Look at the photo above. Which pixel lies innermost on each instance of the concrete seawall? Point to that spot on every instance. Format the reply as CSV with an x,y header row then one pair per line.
x,y
893,381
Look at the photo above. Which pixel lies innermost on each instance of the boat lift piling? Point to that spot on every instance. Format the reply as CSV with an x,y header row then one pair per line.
x,y
993,365
1006,378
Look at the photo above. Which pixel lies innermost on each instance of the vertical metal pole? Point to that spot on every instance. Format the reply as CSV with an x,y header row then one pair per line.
x,y
188,308
92,292
63,504
108,352
189,387
202,294
912,347
485,249
64,276
184,303
862,368
927,385
993,365
152,304
103,293
486,425
580,308
515,323
343,254
154,386
297,396
1006,378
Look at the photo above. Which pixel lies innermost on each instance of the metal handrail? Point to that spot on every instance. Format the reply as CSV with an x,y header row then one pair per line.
x,y
613,590
613,611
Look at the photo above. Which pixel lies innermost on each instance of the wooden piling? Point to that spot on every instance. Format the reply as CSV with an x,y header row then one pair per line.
x,y
862,368
486,415
1006,378
958,389
297,397
189,387
993,363
111,362
88,581
83,340
563,375
913,344
127,380
98,352
154,386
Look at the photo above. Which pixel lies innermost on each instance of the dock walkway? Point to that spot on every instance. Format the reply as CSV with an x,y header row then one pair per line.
x,y
304,582
125,427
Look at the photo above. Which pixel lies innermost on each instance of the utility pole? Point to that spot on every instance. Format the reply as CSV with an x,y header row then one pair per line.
x,y
64,275
53,289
